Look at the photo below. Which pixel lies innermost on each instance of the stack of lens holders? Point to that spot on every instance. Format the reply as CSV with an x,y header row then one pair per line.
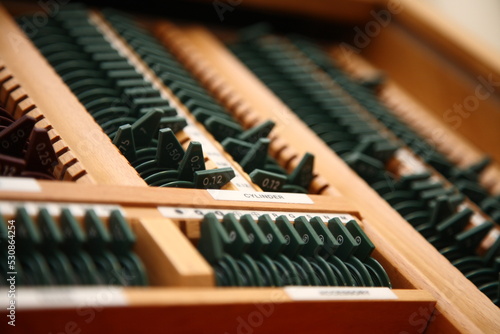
x,y
247,147
128,108
62,251
278,253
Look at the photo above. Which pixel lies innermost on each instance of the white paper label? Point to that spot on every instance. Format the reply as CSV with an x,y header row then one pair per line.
x,y
232,195
198,213
19,184
338,293
46,298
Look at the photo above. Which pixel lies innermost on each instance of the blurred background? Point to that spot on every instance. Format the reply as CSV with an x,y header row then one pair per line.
x,y
481,17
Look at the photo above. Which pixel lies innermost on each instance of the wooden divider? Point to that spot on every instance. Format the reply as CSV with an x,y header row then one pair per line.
x,y
151,197
169,257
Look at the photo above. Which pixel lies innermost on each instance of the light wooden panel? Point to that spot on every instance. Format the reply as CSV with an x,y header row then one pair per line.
x,y
169,257
151,197
263,310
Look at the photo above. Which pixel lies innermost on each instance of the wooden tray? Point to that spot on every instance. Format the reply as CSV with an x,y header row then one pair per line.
x,y
414,266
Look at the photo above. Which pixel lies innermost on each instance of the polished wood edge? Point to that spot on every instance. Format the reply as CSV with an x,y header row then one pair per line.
x,y
153,196
183,296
